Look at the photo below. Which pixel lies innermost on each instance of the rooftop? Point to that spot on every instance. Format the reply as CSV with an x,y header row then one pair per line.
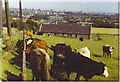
x,y
71,28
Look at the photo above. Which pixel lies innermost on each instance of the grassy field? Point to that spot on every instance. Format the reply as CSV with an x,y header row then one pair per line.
x,y
95,48
105,30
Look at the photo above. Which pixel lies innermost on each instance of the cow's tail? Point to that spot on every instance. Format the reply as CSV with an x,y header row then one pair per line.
x,y
47,66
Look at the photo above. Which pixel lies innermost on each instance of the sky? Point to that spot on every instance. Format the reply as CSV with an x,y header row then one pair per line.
x,y
66,0
107,6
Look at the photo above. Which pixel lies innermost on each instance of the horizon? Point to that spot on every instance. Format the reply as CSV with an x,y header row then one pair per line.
x,y
89,7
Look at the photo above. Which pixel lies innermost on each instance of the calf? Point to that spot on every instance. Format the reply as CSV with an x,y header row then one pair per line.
x,y
75,62
108,50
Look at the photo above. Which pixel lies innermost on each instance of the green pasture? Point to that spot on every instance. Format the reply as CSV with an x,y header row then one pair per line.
x,y
105,30
94,46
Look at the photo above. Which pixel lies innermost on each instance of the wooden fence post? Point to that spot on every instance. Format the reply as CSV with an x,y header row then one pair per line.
x,y
89,31
8,18
1,39
1,18
23,75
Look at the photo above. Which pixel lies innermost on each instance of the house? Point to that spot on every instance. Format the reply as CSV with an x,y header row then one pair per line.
x,y
72,29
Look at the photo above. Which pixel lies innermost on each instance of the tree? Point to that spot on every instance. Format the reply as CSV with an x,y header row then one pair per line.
x,y
15,24
8,18
31,25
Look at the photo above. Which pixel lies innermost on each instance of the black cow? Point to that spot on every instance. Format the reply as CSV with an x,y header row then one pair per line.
x,y
75,62
39,33
80,39
108,50
49,34
57,61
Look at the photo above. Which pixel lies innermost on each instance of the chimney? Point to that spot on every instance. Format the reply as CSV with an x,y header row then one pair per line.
x,y
40,27
56,23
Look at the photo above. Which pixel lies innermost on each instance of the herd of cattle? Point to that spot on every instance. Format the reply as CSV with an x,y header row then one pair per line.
x,y
70,61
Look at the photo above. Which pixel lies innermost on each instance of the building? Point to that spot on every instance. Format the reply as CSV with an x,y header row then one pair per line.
x,y
72,29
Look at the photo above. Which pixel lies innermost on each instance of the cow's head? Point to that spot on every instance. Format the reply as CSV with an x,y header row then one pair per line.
x,y
60,53
111,48
60,50
105,72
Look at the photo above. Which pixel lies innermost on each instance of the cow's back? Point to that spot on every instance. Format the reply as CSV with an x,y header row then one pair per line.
x,y
106,48
78,63
37,44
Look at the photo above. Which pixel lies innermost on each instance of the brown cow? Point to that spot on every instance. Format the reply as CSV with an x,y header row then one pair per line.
x,y
36,44
30,43
37,57
40,64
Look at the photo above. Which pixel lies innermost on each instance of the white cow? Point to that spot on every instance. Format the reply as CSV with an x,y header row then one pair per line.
x,y
84,51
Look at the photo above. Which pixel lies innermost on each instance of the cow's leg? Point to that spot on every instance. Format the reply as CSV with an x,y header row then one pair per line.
x,y
68,76
103,53
86,79
54,61
77,77
110,55
37,79
33,75
107,54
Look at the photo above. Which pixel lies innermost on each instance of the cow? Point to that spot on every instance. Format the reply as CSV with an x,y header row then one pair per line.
x,y
83,51
55,58
49,34
39,33
29,33
30,44
80,39
75,62
36,55
37,44
107,49
40,64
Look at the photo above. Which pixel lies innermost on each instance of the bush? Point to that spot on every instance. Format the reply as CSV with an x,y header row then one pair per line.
x,y
15,24
105,24
96,37
30,25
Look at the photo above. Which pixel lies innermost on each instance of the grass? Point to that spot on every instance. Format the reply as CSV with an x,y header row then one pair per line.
x,y
105,30
95,48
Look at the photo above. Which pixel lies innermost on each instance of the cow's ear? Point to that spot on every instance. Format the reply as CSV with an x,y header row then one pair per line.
x,y
75,50
69,48
52,47
103,63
